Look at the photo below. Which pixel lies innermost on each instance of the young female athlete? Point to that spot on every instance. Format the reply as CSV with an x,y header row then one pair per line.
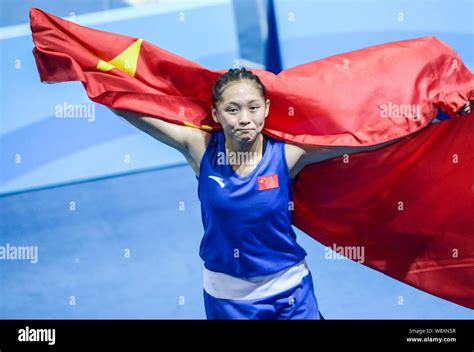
x,y
253,266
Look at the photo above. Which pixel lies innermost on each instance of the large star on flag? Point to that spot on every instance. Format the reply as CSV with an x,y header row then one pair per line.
x,y
126,61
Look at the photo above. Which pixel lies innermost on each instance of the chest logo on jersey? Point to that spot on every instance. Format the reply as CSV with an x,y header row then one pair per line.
x,y
219,180
267,182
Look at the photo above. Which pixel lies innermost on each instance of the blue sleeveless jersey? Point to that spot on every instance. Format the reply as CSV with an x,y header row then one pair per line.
x,y
247,225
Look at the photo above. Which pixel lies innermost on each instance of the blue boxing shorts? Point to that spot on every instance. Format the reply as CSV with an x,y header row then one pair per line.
x,y
228,297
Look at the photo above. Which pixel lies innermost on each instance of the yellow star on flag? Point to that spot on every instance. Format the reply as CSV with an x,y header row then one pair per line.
x,y
126,61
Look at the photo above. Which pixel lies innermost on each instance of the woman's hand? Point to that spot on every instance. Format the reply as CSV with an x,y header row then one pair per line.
x,y
466,109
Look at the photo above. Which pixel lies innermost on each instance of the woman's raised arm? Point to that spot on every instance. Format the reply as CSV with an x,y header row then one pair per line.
x,y
190,141
174,135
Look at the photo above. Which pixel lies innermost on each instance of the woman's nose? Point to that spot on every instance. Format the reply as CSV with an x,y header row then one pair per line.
x,y
244,119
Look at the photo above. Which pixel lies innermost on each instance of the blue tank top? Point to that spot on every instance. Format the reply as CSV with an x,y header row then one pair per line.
x,y
247,226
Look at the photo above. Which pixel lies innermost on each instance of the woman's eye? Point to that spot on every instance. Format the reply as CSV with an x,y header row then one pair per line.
x,y
254,107
232,110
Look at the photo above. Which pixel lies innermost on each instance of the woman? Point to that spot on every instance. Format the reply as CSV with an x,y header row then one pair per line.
x,y
253,266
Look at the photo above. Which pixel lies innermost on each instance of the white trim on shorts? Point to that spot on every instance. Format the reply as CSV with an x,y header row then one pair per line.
x,y
224,286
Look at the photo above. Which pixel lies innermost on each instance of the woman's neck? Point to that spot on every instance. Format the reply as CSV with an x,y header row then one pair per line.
x,y
254,149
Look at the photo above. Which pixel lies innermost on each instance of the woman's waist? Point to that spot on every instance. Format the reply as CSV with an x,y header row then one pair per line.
x,y
225,286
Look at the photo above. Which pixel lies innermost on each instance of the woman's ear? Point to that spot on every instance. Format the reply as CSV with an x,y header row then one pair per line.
x,y
214,114
267,107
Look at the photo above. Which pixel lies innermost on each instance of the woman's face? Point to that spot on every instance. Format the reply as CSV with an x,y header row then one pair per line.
x,y
241,111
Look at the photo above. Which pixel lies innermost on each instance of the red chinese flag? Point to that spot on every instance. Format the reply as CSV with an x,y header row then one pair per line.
x,y
410,204
267,182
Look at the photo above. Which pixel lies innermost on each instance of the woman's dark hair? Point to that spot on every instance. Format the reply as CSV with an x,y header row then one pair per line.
x,y
235,75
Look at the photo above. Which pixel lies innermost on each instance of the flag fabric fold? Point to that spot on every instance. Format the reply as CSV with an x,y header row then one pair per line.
x,y
410,205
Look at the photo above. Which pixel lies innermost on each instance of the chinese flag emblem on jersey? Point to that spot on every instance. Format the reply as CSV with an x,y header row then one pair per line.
x,y
267,182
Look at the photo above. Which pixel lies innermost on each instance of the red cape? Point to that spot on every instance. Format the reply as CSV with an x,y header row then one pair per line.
x,y
410,204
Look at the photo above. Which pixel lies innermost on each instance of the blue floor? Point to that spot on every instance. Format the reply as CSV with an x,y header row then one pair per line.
x,y
127,247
